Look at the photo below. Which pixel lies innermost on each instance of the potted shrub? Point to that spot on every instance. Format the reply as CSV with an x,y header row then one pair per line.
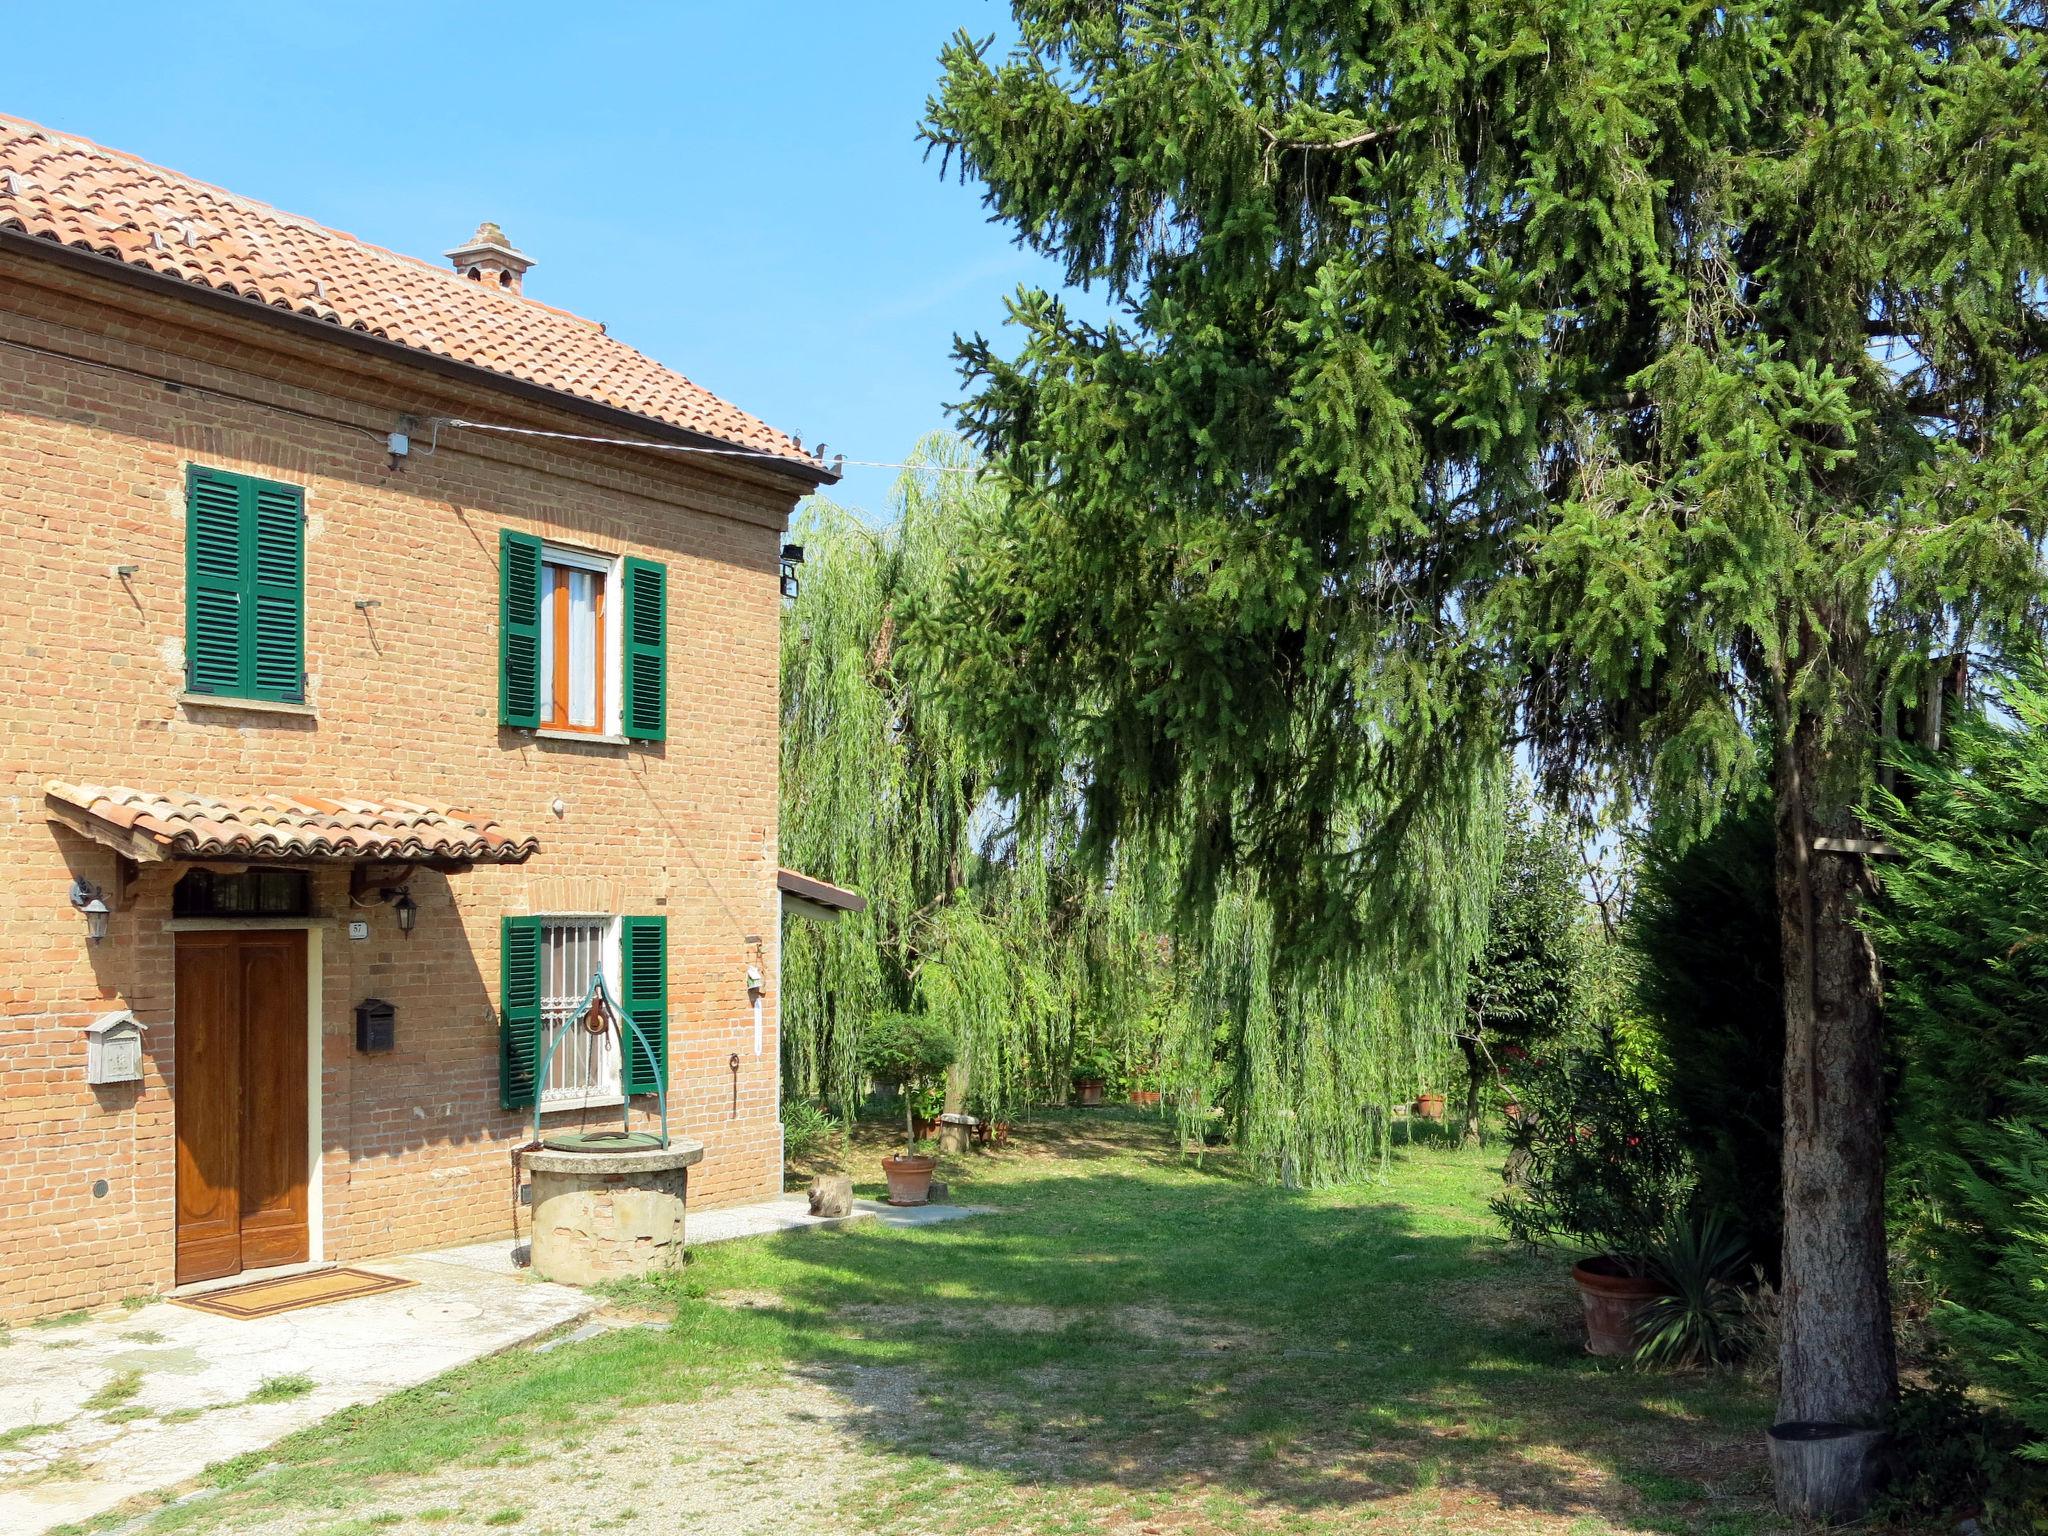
x,y
908,1051
1597,1167
1093,1067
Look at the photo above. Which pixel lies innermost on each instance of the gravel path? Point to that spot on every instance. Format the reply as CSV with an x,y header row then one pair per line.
x,y
763,1459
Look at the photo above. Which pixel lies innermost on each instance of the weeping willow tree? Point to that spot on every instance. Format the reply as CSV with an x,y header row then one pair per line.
x,y
981,919
1031,937
1307,1052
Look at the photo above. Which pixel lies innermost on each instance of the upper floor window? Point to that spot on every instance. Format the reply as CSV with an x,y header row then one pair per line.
x,y
245,578
576,643
582,640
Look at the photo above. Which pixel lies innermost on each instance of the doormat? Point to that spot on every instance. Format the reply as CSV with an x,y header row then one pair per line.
x,y
263,1298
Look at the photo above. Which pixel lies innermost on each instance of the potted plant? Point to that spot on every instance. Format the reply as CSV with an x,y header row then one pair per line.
x,y
908,1051
1093,1067
1145,1092
1597,1167
1428,1106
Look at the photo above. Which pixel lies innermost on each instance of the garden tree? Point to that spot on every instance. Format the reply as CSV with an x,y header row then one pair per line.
x,y
1616,374
998,935
907,1051
1962,928
1530,979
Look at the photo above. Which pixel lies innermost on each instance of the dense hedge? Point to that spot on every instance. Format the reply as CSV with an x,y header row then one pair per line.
x,y
1963,933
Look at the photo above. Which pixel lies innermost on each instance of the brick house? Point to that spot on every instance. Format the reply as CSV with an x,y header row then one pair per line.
x,y
329,701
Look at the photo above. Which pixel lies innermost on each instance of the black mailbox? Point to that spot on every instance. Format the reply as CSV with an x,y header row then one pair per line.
x,y
376,1026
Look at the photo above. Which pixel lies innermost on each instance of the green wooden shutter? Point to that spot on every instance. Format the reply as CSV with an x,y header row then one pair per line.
x,y
643,951
519,1030
276,608
213,582
645,715
245,586
519,680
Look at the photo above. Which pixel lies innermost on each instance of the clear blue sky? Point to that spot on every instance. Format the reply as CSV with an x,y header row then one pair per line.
x,y
735,190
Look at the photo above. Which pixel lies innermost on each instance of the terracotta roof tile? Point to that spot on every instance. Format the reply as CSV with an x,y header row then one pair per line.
x,y
74,192
276,826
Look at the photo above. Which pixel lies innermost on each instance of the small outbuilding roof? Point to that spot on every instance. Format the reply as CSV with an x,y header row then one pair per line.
x,y
818,898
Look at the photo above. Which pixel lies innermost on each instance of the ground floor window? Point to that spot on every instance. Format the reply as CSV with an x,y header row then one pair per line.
x,y
585,1069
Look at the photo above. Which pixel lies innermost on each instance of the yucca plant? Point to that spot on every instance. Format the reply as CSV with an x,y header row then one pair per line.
x,y
1702,1321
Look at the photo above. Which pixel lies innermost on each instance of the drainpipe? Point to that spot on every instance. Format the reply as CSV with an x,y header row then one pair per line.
x,y
781,1146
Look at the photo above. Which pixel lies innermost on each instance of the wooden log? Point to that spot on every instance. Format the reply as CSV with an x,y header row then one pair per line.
x,y
1824,1472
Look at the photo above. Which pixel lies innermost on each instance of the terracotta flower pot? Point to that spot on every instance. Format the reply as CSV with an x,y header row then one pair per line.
x,y
910,1178
1430,1106
1614,1301
1088,1090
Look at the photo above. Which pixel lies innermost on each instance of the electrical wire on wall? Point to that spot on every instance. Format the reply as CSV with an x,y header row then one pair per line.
x,y
839,461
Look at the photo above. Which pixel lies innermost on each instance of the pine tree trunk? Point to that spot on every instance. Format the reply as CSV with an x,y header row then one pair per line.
x,y
1835,1355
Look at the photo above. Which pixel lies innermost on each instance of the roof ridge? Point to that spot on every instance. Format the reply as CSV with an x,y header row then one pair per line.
x,y
306,221
73,191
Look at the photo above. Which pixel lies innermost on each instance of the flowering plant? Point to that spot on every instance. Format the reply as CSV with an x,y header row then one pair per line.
x,y
1595,1162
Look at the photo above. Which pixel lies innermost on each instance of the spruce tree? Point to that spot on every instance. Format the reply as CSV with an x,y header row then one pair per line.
x,y
1531,979
1617,375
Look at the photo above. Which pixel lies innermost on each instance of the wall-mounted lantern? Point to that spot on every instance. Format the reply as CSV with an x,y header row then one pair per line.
x,y
407,910
92,901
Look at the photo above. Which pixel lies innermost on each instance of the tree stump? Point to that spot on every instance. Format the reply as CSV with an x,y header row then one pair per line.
x,y
832,1194
1824,1471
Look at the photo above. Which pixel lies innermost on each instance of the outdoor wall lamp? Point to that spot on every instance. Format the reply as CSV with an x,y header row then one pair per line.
x,y
92,901
407,910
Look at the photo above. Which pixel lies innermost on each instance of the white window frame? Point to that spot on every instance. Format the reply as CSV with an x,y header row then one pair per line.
x,y
613,568
569,1098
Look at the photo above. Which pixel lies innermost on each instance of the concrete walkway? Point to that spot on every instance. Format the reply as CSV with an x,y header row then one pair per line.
x,y
123,1403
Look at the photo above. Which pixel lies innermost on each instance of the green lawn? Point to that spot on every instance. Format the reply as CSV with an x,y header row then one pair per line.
x,y
1130,1343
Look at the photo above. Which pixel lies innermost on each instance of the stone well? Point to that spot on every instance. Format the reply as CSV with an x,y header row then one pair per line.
x,y
605,1215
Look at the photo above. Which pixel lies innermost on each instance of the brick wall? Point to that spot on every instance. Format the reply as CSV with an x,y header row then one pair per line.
x,y
415,1151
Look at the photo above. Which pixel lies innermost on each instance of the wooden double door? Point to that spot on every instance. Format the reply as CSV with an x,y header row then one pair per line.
x,y
241,1102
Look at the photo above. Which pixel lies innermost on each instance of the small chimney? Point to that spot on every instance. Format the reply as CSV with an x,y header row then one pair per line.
x,y
489,257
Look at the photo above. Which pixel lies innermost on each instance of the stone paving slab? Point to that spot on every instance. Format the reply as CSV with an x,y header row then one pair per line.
x,y
793,1211
140,1400
787,1213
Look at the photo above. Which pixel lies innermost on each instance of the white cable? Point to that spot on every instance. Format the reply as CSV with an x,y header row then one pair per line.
x,y
727,453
